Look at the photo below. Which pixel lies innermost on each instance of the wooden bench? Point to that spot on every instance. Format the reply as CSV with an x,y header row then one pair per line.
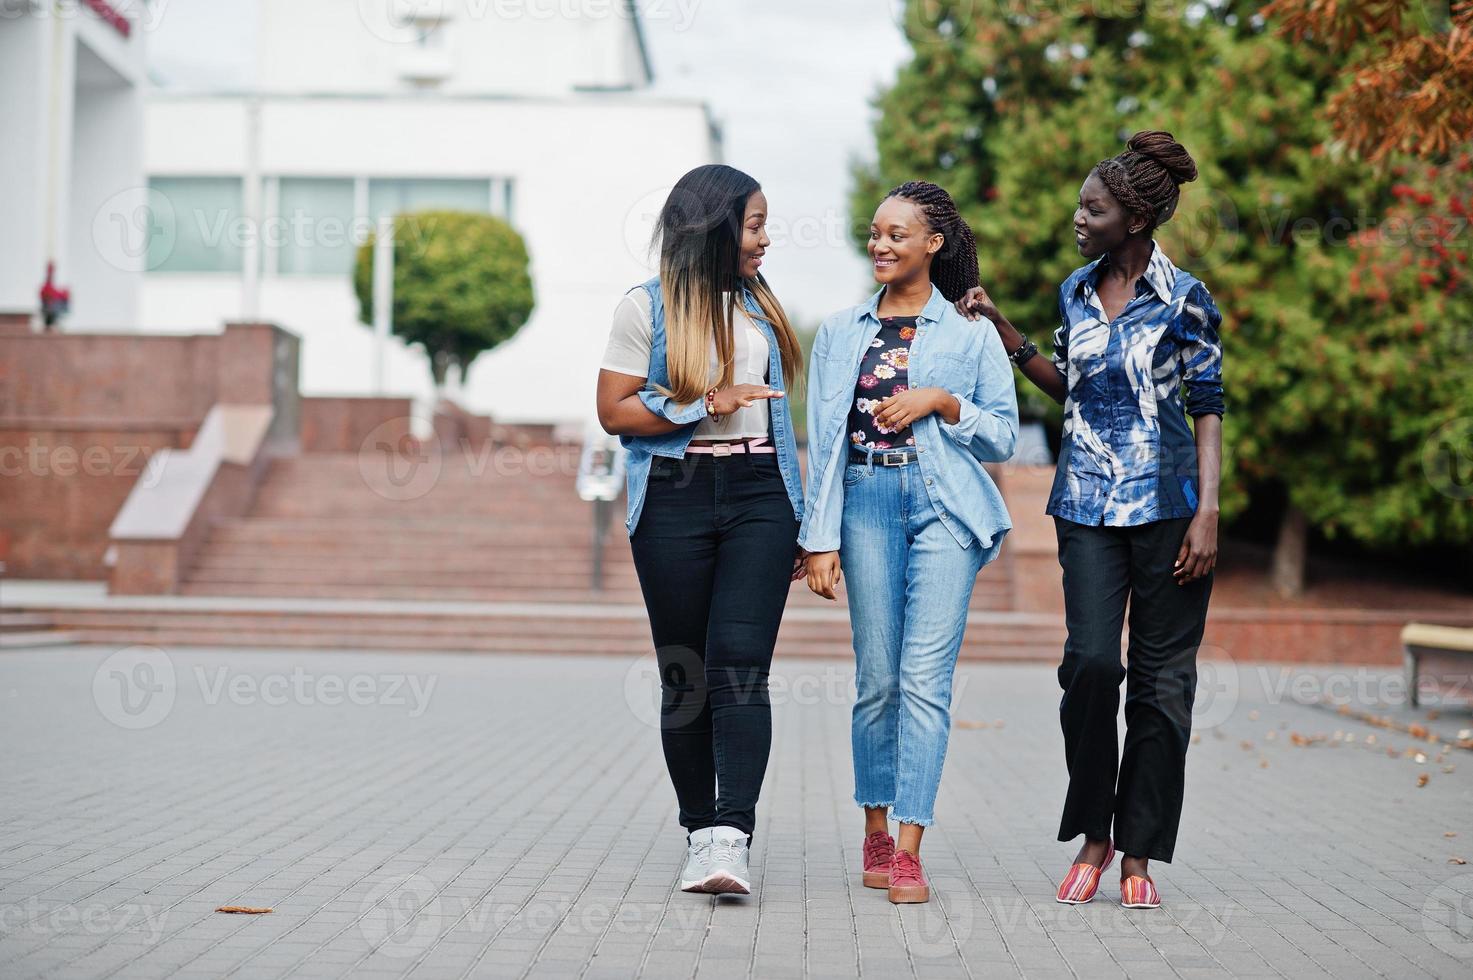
x,y
1445,645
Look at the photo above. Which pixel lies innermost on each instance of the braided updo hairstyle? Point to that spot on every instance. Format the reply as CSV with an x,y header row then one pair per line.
x,y
1146,178
954,267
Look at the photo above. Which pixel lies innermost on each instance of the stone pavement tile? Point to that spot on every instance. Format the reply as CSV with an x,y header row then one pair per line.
x,y
560,849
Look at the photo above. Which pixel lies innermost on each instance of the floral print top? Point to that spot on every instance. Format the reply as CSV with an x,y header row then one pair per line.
x,y
884,371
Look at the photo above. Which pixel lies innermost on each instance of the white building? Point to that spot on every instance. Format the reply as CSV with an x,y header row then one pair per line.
x,y
71,122
534,110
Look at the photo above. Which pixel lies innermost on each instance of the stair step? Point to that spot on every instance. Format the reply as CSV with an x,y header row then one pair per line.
x,y
33,639
16,622
835,647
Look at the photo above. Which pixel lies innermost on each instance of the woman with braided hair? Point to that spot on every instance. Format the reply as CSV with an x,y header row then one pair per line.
x,y
1134,503
907,400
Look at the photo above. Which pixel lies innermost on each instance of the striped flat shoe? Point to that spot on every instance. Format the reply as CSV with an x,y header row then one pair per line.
x,y
1083,880
1138,893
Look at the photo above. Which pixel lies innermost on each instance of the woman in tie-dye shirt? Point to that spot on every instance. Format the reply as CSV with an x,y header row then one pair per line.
x,y
1134,503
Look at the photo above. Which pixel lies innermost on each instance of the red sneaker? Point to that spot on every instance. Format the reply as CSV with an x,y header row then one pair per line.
x,y
907,880
879,849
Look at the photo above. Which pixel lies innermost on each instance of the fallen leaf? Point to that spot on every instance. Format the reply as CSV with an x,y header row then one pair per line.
x,y
1422,779
242,910
1246,745
1262,763
971,724
1432,715
1450,833
1456,860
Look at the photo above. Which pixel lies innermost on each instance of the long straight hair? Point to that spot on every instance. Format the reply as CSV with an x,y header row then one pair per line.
x,y
699,234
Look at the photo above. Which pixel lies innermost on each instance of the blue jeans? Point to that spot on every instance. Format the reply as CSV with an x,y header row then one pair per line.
x,y
909,585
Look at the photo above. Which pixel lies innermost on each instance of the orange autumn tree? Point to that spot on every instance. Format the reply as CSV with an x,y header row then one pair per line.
x,y
1410,90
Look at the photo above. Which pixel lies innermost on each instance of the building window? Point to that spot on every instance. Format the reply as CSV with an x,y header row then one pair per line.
x,y
196,225
396,196
314,233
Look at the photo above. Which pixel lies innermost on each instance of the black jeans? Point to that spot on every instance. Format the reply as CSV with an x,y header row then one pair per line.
x,y
1141,788
714,551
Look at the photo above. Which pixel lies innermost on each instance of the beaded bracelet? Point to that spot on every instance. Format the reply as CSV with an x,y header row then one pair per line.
x,y
711,404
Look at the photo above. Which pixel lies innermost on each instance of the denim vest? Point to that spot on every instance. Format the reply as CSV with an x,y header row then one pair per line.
x,y
640,450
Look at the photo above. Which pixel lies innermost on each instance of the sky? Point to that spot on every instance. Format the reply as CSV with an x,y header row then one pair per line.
x,y
790,83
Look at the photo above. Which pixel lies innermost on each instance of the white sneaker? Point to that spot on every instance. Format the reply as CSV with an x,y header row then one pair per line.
x,y
697,862
729,873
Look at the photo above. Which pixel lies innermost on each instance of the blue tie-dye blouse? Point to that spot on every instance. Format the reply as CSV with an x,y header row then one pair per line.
x,y
1128,455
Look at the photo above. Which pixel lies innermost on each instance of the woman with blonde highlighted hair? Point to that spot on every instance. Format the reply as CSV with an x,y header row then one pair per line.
x,y
693,382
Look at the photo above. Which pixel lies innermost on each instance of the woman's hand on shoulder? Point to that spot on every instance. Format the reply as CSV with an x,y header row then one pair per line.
x,y
975,304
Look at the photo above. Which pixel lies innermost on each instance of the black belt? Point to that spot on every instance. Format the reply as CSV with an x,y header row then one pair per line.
x,y
885,457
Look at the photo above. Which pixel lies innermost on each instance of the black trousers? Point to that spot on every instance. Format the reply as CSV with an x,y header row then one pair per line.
x,y
1138,788
714,551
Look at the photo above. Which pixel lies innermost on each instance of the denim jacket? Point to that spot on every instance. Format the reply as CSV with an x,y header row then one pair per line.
x,y
640,450
948,351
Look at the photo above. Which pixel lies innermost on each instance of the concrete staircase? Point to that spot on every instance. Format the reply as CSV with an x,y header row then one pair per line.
x,y
28,630
475,559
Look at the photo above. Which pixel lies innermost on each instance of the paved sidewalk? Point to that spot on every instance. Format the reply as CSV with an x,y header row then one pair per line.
x,y
452,816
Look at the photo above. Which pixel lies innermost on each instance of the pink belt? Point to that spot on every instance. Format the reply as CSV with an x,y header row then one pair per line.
x,y
755,446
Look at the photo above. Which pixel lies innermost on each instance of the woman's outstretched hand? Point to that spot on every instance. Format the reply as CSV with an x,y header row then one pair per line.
x,y
823,573
975,303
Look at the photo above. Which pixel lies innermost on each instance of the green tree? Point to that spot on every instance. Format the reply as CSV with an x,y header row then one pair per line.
x,y
1008,104
462,285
